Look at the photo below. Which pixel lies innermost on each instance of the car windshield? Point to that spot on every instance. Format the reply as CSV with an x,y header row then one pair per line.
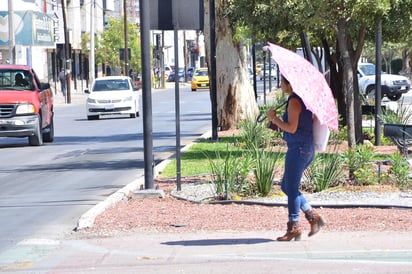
x,y
201,73
112,84
16,80
368,69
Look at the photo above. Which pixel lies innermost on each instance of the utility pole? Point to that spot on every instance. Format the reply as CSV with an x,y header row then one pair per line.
x,y
185,55
66,54
91,53
213,85
126,37
146,94
378,89
11,33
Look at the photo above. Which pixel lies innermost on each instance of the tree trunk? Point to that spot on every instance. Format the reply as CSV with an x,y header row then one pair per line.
x,y
235,95
335,79
347,82
407,63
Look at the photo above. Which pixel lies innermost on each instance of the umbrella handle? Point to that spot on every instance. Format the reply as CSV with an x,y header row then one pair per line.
x,y
261,117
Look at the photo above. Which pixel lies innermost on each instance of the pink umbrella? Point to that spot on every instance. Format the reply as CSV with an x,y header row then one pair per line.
x,y
308,83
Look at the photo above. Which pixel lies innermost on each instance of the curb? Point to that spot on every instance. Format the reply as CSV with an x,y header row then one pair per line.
x,y
87,219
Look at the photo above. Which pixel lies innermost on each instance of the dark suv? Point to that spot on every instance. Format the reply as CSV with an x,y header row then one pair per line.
x,y
26,105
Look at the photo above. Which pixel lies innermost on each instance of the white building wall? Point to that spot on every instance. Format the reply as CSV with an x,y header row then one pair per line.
x,y
169,54
73,26
39,57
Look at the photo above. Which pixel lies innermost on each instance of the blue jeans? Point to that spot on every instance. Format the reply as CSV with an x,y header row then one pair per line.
x,y
298,158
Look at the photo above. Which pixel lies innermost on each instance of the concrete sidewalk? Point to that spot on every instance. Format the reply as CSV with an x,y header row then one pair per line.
x,y
216,252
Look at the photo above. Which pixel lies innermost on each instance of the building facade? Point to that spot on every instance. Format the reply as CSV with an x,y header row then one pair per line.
x,y
33,32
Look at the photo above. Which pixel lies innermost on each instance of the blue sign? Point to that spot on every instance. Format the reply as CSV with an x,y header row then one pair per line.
x,y
30,28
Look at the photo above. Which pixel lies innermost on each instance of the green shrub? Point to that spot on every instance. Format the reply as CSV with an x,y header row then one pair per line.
x,y
263,170
325,171
360,164
230,172
254,134
400,171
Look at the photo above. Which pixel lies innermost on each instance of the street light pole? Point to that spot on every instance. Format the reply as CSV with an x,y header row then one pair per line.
x,y
146,94
66,64
91,54
126,37
213,86
11,33
378,89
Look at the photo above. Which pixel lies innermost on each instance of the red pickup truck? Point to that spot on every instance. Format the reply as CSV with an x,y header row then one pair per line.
x,y
26,105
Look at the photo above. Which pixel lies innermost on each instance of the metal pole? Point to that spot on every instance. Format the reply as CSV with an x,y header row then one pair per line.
x,y
126,37
91,54
177,101
11,33
185,57
378,91
270,72
67,54
146,93
254,69
177,107
162,61
213,86
264,75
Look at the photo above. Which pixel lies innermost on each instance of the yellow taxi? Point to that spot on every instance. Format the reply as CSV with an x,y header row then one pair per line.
x,y
200,79
259,67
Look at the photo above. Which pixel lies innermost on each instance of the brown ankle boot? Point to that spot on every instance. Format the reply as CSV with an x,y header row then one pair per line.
x,y
294,231
315,221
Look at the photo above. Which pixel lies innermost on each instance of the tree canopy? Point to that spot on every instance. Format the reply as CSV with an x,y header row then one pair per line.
x,y
341,27
112,40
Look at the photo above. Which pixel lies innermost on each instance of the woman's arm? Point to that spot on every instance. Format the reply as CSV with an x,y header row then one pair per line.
x,y
294,110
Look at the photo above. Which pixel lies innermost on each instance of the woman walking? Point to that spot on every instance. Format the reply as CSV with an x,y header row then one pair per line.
x,y
296,125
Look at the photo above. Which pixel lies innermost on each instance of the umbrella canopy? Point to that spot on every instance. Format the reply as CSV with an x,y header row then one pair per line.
x,y
308,83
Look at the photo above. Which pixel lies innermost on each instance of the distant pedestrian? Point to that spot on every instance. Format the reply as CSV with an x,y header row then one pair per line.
x,y
62,79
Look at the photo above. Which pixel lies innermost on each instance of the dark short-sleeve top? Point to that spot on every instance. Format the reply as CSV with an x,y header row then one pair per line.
x,y
304,132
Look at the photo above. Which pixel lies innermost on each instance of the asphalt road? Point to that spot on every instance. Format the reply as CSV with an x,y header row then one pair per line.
x,y
44,190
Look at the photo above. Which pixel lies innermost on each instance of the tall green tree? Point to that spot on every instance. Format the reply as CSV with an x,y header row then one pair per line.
x,y
112,40
340,26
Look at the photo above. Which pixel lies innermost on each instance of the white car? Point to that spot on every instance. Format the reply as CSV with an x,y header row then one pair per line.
x,y
113,95
266,69
392,86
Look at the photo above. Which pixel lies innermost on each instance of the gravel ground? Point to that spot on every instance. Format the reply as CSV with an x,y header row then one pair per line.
x,y
175,213
377,208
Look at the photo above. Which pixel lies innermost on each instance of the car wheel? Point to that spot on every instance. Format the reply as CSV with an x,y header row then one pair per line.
x,y
48,136
92,117
133,115
370,91
37,138
193,89
395,97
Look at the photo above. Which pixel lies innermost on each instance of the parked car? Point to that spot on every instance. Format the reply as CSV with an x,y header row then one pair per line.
x,y
190,72
258,68
181,74
264,72
392,86
200,79
113,95
250,71
167,70
26,105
